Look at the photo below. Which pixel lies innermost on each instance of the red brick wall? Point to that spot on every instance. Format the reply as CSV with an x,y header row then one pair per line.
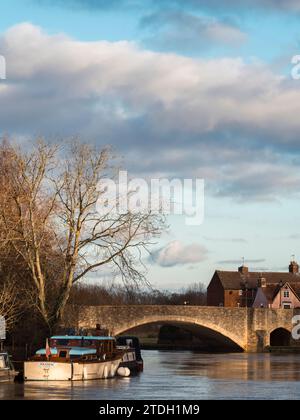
x,y
232,298
215,292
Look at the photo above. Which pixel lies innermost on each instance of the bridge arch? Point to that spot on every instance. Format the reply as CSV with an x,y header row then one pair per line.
x,y
280,337
187,322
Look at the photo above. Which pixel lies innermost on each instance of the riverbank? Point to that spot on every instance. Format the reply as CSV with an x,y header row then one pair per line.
x,y
283,349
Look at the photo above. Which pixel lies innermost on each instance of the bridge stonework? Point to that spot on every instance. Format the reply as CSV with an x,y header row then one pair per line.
x,y
248,328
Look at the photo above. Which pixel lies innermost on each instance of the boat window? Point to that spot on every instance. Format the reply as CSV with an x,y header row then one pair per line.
x,y
63,353
62,342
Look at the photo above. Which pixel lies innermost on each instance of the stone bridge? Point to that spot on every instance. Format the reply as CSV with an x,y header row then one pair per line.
x,y
250,328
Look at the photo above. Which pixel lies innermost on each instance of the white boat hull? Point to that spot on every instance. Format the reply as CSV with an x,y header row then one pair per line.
x,y
69,371
7,375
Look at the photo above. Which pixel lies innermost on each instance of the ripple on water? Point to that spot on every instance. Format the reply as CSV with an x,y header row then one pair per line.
x,y
182,375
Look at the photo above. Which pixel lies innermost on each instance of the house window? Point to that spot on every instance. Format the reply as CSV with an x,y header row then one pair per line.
x,y
286,294
286,306
240,293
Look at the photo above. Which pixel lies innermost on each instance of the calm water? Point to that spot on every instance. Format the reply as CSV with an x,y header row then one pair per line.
x,y
183,375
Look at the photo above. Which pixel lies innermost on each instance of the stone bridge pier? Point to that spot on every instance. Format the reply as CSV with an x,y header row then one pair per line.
x,y
248,328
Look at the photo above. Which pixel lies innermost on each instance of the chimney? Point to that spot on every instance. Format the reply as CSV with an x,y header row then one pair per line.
x,y
262,282
293,267
243,269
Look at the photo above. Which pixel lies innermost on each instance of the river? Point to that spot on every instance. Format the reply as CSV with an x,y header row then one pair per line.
x,y
182,375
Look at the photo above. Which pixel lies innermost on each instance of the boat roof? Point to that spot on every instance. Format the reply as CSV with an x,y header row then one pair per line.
x,y
79,337
75,351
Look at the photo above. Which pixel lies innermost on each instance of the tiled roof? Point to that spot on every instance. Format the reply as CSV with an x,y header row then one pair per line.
x,y
271,290
234,280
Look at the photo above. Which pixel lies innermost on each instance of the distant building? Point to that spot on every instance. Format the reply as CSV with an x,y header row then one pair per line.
x,y
260,290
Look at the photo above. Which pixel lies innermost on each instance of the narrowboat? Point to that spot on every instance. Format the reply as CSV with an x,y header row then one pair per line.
x,y
132,358
74,358
7,371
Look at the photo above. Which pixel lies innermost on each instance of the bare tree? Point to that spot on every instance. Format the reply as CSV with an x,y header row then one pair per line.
x,y
10,307
51,219
26,211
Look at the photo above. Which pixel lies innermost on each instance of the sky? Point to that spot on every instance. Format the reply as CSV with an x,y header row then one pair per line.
x,y
193,89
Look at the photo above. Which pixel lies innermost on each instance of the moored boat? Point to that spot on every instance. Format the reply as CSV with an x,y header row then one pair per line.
x,y
132,358
74,358
7,371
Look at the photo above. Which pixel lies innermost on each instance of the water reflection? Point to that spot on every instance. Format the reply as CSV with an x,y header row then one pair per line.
x,y
253,367
182,375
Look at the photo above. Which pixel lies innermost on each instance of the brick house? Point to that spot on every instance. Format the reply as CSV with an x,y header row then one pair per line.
x,y
243,288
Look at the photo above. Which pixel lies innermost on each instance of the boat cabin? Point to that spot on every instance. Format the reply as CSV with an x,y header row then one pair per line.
x,y
7,371
88,348
4,361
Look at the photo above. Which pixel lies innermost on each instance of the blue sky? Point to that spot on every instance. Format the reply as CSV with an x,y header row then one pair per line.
x,y
188,89
269,32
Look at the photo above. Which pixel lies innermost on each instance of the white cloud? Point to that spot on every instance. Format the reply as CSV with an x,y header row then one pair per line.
x,y
234,123
176,253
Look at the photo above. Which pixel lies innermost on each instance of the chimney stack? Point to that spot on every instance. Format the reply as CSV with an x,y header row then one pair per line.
x,y
293,267
243,269
262,282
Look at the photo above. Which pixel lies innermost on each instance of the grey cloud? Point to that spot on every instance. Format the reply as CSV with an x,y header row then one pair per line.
x,y
234,240
261,181
235,6
181,31
295,236
221,5
239,262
